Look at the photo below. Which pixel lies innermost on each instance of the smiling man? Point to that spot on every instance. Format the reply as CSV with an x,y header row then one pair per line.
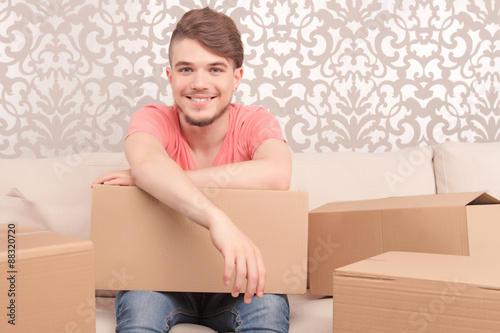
x,y
199,104
175,150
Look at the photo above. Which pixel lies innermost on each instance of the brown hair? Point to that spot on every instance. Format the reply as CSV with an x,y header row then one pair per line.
x,y
215,31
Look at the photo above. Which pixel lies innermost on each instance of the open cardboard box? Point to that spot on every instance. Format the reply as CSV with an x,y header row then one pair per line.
x,y
48,281
141,243
417,292
346,232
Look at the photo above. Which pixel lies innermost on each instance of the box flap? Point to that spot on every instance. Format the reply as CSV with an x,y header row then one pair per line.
x,y
480,272
420,201
35,243
484,199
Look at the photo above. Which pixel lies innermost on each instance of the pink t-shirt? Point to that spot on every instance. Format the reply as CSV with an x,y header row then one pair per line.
x,y
249,126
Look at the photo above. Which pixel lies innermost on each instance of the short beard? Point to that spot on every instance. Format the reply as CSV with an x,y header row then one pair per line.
x,y
203,122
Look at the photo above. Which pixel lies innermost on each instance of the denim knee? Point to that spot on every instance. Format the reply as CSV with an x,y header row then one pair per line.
x,y
150,311
271,313
267,314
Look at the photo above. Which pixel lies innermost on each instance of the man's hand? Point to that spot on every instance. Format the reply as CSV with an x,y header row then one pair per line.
x,y
241,256
118,177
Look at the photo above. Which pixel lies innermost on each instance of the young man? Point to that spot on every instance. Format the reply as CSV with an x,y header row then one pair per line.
x,y
173,151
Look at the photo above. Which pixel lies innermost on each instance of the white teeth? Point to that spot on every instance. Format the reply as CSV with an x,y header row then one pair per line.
x,y
200,99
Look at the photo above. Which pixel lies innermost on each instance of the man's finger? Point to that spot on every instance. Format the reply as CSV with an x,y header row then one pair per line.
x,y
228,270
252,279
261,285
239,277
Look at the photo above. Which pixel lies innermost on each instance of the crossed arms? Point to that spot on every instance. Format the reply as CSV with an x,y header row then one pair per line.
x,y
156,173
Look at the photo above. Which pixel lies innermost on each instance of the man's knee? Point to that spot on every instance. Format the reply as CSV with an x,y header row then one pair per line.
x,y
270,313
139,311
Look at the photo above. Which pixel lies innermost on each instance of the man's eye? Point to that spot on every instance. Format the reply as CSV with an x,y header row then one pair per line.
x,y
217,70
185,70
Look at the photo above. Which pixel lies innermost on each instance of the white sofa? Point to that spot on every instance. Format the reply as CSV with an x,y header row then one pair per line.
x,y
55,194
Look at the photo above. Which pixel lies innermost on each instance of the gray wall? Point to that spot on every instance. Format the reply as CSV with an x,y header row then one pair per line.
x,y
340,76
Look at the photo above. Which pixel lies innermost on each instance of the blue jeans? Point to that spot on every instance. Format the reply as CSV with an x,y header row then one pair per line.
x,y
151,311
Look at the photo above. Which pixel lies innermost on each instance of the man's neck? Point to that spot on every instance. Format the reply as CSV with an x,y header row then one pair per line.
x,y
205,142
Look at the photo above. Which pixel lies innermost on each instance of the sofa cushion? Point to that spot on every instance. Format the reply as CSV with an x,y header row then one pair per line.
x,y
467,167
349,176
58,190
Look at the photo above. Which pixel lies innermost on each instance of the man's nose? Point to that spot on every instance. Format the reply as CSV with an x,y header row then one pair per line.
x,y
200,81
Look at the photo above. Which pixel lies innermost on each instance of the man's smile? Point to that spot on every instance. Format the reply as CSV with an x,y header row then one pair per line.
x,y
201,99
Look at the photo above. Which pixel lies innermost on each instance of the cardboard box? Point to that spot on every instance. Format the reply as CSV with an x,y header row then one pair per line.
x,y
141,243
417,292
347,232
47,283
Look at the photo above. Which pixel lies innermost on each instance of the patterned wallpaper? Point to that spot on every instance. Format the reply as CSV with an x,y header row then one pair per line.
x,y
369,75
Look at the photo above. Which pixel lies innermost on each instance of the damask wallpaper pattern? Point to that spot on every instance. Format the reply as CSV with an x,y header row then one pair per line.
x,y
371,75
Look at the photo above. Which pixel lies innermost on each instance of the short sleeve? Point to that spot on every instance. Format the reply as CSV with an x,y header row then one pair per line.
x,y
259,126
154,120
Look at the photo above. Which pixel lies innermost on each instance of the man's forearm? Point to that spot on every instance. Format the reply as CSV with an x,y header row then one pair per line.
x,y
253,174
270,169
176,190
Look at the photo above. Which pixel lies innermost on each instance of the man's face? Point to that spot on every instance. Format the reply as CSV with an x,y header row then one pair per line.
x,y
202,82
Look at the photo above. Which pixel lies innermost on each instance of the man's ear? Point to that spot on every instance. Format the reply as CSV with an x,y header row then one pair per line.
x,y
169,74
238,74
